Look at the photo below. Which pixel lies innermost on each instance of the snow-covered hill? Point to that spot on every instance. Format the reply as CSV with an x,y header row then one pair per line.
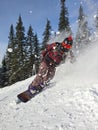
x,y
71,102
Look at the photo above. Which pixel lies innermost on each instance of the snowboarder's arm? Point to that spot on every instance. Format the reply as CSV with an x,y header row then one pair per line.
x,y
47,49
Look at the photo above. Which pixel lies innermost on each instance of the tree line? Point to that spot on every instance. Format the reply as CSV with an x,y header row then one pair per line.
x,y
22,56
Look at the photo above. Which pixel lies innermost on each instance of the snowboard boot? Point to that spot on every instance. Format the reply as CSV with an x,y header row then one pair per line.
x,y
35,89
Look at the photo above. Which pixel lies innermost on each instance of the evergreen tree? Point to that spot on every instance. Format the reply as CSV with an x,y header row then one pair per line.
x,y
20,39
63,19
46,34
17,56
10,57
0,77
4,75
83,33
14,71
29,52
36,54
96,21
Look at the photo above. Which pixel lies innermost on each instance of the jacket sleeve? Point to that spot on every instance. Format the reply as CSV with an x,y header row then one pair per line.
x,y
48,48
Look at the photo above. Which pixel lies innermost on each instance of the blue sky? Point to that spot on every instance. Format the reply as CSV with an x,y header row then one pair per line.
x,y
35,13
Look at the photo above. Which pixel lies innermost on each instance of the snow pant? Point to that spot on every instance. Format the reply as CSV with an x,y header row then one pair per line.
x,y
45,74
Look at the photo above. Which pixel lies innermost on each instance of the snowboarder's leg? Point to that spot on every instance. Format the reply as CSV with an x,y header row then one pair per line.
x,y
38,82
50,74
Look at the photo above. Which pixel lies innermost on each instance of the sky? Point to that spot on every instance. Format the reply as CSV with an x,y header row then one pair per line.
x,y
35,13
70,102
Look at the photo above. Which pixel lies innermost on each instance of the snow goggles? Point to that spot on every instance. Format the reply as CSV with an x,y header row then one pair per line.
x,y
66,45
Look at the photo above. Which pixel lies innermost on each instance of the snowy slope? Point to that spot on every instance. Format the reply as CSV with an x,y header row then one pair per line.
x,y
71,102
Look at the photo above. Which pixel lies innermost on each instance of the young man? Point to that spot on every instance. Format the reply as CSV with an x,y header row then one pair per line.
x,y
52,56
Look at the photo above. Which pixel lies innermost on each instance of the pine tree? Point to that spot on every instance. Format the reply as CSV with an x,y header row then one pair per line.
x,y
4,74
0,77
17,56
46,34
36,54
83,33
29,58
63,19
11,59
20,39
14,71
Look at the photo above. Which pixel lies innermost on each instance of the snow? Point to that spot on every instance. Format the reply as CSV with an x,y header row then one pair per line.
x,y
70,103
10,50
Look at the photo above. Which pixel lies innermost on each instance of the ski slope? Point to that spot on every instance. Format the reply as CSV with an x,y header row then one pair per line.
x,y
70,103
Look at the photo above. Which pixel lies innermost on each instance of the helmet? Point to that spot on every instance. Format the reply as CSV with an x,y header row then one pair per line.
x,y
67,44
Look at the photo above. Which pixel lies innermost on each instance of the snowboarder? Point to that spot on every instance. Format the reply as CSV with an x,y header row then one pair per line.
x,y
52,56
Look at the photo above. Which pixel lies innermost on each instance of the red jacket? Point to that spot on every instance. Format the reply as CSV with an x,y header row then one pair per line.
x,y
53,54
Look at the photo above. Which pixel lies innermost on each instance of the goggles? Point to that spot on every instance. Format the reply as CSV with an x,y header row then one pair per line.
x,y
66,46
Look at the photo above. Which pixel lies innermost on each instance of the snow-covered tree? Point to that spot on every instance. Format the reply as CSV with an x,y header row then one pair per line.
x,y
83,32
96,21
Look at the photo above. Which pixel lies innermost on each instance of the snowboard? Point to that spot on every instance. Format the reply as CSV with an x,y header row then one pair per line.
x,y
26,95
